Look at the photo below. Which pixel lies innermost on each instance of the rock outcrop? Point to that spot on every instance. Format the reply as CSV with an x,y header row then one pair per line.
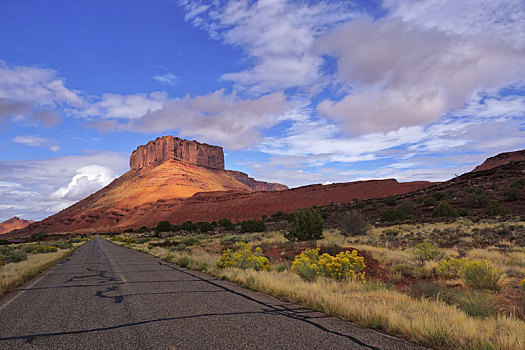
x,y
168,147
254,184
13,224
501,159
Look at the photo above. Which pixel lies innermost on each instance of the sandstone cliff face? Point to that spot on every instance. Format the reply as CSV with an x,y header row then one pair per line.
x,y
168,147
254,184
501,159
13,224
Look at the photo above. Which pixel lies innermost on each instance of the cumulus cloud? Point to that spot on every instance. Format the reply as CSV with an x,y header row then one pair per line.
x,y
87,180
403,75
42,187
276,34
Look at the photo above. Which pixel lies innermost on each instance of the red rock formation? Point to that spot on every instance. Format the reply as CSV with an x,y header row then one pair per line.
x,y
168,147
13,224
501,159
254,184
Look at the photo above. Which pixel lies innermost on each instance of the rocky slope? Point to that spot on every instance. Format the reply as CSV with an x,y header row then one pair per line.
x,y
254,184
13,224
501,159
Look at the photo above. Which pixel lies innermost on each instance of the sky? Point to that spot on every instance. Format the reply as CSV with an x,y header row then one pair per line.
x,y
297,92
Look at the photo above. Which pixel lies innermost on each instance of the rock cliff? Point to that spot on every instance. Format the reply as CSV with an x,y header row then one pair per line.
x,y
13,224
168,147
254,184
501,159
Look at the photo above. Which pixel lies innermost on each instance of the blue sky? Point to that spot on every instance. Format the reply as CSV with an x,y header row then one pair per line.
x,y
296,92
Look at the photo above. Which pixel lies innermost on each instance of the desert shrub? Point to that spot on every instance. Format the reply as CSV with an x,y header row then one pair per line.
x,y
129,230
205,227
190,241
183,261
438,195
231,240
8,255
443,210
519,183
189,226
377,286
392,231
38,236
461,212
278,214
403,269
392,215
352,223
40,249
253,226
325,215
451,267
360,204
476,198
425,251
4,242
143,229
345,265
244,258
62,245
522,284
282,266
495,208
480,274
390,201
430,202
227,224
180,248
306,225
407,209
27,248
163,226
510,194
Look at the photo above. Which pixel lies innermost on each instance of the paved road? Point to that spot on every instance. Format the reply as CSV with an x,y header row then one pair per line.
x,y
109,297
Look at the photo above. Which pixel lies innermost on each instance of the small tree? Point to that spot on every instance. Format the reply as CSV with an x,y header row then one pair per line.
x,y
496,208
351,223
227,224
163,226
307,225
511,194
253,226
443,210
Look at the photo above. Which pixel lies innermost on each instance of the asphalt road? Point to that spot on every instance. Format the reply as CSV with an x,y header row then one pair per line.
x,y
106,296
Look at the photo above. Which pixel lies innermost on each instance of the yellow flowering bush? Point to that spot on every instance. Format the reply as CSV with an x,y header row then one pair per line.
x,y
451,267
522,283
480,274
244,258
344,265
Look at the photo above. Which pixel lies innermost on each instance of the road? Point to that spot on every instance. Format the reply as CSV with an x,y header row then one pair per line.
x,y
105,296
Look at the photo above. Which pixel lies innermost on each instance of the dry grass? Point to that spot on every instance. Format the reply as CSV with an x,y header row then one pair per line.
x,y
14,274
429,322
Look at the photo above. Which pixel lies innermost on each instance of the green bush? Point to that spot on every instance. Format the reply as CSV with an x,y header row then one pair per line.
x,y
480,274
143,229
231,240
496,208
407,209
8,255
476,198
253,226
443,210
163,226
190,241
519,183
277,214
390,201
438,195
425,251
38,236
462,212
307,225
4,242
227,224
206,227
42,249
189,226
244,258
430,202
511,194
360,204
62,245
392,215
352,223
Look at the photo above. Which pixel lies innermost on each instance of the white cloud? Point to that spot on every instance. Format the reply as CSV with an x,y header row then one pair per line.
x,y
504,19
218,118
29,185
125,106
404,75
168,79
55,148
31,140
276,34
87,180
